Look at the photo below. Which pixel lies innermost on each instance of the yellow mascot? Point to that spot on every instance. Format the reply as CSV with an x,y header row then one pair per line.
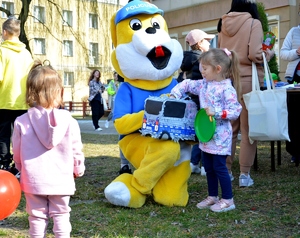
x,y
146,57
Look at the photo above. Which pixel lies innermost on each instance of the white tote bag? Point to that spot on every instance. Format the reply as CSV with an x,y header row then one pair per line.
x,y
267,110
103,101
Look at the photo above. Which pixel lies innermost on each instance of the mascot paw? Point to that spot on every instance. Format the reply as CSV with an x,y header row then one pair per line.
x,y
120,192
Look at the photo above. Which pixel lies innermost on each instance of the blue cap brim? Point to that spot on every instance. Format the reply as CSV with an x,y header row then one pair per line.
x,y
136,7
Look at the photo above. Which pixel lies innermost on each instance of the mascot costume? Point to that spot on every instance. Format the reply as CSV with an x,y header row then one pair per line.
x,y
146,57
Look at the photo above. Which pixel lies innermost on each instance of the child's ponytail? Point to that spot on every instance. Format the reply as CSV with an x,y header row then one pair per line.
x,y
235,74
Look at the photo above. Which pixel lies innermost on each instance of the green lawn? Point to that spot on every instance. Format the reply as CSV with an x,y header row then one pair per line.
x,y
268,209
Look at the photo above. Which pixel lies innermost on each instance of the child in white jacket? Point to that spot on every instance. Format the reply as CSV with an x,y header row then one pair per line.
x,y
47,151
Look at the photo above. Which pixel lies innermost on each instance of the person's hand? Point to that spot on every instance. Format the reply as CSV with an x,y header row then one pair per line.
x,y
210,111
298,51
78,175
269,54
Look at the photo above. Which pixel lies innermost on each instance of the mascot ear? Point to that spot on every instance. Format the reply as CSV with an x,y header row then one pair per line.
x,y
113,33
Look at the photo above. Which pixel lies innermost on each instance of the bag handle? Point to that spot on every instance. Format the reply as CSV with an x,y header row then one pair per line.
x,y
255,81
268,76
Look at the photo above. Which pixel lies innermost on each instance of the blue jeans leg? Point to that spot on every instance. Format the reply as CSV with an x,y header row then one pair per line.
x,y
196,155
216,172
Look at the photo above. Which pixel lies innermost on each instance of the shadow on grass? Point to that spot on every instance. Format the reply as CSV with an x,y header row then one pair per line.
x,y
98,139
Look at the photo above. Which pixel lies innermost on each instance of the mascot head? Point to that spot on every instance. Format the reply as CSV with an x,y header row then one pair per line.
x,y
144,54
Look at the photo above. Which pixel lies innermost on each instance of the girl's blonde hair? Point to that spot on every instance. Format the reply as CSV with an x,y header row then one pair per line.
x,y
44,86
229,62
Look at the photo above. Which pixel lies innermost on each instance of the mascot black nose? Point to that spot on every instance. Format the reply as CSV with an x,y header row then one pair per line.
x,y
151,30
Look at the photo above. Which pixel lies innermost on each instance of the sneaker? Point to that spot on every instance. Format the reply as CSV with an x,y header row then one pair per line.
x,y
98,129
106,124
231,176
208,202
223,205
195,169
14,171
245,181
125,169
203,173
18,175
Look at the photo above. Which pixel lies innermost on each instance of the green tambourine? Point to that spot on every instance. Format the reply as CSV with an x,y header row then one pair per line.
x,y
205,126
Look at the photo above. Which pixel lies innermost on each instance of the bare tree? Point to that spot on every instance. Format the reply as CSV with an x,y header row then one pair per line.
x,y
25,13
55,29
23,17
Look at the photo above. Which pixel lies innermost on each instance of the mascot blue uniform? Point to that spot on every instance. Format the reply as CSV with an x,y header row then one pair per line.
x,y
146,57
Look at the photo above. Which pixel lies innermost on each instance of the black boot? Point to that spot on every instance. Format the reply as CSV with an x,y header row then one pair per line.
x,y
125,169
5,164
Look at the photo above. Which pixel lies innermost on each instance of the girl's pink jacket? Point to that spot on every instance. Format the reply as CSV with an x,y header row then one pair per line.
x,y
47,150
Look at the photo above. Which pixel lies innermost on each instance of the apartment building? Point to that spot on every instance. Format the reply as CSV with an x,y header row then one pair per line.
x,y
183,16
73,35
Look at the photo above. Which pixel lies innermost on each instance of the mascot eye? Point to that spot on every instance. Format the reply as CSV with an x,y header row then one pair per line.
x,y
135,24
155,23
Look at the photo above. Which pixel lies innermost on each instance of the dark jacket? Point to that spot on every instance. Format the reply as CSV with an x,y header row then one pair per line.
x,y
190,64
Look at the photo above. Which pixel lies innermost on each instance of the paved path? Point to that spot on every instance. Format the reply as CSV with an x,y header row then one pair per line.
x,y
86,126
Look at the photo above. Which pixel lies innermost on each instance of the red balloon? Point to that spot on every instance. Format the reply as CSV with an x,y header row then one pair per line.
x,y
10,194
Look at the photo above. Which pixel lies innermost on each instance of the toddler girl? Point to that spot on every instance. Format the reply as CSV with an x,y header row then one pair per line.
x,y
47,151
219,94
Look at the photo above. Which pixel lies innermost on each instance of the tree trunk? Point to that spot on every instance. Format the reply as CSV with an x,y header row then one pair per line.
x,y
23,18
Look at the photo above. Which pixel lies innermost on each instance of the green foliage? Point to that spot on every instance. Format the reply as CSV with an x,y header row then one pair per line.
x,y
273,65
263,16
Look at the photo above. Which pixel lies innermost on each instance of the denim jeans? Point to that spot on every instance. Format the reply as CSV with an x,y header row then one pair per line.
x,y
196,155
216,172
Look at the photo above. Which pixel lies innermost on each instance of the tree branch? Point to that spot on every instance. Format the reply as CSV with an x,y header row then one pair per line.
x,y
7,12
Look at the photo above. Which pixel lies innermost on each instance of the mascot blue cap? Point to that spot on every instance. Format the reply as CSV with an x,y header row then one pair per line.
x,y
136,7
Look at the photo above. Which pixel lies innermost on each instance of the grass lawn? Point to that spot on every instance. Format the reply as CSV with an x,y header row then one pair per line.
x,y
270,208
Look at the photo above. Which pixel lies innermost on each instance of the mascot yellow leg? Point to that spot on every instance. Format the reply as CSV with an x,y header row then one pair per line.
x,y
172,188
152,159
119,192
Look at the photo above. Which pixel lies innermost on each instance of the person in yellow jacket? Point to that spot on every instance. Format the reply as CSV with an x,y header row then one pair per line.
x,y
15,64
112,89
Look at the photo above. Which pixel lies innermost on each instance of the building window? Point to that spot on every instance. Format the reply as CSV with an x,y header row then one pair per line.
x,y
93,21
8,6
67,48
274,26
93,54
39,46
69,79
39,14
67,18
